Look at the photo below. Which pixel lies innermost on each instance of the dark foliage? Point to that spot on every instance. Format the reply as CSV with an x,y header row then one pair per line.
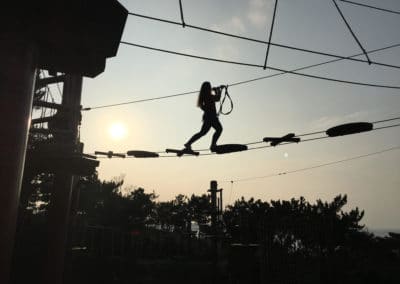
x,y
282,241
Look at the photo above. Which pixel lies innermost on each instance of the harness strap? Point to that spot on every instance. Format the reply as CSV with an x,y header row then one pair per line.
x,y
226,96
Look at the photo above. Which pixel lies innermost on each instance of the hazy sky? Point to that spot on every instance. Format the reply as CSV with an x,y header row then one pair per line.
x,y
270,107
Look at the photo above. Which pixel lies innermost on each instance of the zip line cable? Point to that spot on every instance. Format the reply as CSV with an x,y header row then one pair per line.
x,y
351,31
372,7
141,101
240,82
302,135
386,120
260,147
316,166
249,149
286,143
257,65
262,41
315,133
389,126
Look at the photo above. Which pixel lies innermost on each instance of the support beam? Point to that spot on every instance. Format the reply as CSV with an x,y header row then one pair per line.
x,y
49,80
47,104
42,119
60,202
48,131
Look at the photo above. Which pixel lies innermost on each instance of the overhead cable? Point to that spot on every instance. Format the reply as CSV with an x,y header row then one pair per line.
x,y
318,132
315,167
257,65
385,120
284,143
309,134
191,55
372,7
388,126
351,31
238,83
262,41
141,101
312,66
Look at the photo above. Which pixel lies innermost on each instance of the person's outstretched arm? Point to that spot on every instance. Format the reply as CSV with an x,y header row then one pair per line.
x,y
217,95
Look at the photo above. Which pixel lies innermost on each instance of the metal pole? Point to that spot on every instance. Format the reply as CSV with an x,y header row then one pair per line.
x,y
60,203
17,74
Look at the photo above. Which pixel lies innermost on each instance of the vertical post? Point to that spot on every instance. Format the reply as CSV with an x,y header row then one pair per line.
x,y
60,202
220,204
214,214
17,74
213,190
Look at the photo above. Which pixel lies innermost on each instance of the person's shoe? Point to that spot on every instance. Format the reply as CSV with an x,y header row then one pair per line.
x,y
188,147
213,148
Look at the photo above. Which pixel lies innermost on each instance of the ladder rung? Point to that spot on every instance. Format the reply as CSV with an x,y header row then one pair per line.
x,y
48,131
47,104
42,119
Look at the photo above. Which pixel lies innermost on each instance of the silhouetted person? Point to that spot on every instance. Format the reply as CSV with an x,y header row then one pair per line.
x,y
206,101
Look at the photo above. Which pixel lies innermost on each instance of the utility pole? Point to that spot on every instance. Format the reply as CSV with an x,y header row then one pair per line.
x,y
213,191
216,205
216,213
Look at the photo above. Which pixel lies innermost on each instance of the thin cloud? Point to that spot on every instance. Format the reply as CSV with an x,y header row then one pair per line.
x,y
226,50
326,122
259,12
234,25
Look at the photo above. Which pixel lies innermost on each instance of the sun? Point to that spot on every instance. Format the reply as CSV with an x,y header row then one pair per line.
x,y
117,131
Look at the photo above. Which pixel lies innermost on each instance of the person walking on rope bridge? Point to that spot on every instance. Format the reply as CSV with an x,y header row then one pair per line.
x,y
206,101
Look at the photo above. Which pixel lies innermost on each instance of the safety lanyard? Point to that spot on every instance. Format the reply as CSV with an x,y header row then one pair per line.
x,y
222,102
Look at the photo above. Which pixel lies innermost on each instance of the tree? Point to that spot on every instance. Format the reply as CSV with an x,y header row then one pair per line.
x,y
104,204
294,224
200,208
140,208
164,215
178,214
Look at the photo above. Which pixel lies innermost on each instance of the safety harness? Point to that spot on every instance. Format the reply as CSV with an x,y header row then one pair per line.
x,y
222,101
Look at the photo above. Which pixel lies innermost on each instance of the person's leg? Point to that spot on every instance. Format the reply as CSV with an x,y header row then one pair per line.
x,y
218,130
203,131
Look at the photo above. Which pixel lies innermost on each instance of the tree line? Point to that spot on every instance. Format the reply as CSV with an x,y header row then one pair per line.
x,y
315,236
